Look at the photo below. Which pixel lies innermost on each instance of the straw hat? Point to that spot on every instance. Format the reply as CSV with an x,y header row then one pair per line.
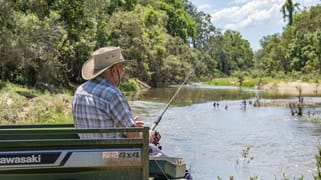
x,y
101,60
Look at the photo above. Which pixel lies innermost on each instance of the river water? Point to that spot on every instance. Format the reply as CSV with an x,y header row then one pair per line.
x,y
231,139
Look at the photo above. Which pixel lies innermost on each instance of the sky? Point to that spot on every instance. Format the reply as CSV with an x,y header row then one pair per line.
x,y
254,19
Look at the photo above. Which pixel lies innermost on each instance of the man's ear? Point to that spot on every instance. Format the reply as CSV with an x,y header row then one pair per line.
x,y
113,69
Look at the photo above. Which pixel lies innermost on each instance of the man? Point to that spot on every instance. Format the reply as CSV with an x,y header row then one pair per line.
x,y
98,103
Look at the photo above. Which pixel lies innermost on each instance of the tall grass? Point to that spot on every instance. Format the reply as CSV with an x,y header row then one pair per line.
x,y
247,82
21,105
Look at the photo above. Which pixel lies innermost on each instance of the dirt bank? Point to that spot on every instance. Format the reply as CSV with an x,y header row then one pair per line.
x,y
293,88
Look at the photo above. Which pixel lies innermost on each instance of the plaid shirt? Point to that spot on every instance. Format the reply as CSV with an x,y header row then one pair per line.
x,y
99,104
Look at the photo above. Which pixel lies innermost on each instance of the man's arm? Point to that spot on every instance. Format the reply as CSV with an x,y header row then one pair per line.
x,y
138,123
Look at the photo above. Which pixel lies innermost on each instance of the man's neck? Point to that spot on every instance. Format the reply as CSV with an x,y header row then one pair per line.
x,y
108,78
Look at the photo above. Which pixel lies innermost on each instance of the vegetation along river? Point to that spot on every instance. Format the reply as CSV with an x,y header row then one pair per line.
x,y
231,139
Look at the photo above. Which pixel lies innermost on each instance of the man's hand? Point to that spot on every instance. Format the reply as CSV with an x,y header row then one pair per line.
x,y
154,137
138,122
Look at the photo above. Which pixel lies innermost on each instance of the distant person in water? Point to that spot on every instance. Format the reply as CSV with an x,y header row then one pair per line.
x,y
99,103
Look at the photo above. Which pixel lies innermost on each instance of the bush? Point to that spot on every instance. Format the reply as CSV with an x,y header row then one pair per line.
x,y
2,84
20,105
130,85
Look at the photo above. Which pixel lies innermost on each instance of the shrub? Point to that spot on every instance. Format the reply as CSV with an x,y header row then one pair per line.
x,y
130,85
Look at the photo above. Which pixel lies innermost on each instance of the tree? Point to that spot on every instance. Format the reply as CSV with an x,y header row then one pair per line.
x,y
47,41
204,27
238,54
272,58
288,10
29,45
179,22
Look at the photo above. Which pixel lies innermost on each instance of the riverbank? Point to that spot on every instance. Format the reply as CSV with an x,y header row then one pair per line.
x,y
282,86
292,88
25,105
21,105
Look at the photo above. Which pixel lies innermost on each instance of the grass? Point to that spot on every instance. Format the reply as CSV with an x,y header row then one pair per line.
x,y
247,81
23,105
316,120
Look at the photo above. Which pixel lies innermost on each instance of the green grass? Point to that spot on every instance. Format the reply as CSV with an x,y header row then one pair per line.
x,y
229,81
22,105
25,105
247,82
311,119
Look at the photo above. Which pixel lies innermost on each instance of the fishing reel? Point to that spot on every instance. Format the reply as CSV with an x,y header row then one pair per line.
x,y
155,140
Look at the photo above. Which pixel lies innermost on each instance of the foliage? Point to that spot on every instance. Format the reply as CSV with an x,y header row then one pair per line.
x,y
237,53
30,48
318,159
311,119
245,157
2,84
247,81
288,9
23,105
48,41
230,81
297,50
129,85
179,23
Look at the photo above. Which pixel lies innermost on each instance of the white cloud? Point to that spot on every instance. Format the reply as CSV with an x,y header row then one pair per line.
x,y
252,18
238,2
307,3
248,13
204,7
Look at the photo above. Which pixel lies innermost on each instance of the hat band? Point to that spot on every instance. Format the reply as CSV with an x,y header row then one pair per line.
x,y
99,68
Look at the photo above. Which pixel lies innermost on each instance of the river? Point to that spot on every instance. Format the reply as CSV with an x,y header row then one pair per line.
x,y
232,139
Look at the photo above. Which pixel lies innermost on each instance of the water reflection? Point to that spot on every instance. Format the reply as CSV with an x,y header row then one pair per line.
x,y
191,95
197,93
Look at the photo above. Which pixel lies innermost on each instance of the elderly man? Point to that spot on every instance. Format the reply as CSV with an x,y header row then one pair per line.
x,y
98,103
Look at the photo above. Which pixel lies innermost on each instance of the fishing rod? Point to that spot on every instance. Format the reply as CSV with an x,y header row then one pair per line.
x,y
177,91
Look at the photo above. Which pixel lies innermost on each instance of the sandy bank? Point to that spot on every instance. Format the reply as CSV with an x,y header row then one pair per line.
x,y
293,88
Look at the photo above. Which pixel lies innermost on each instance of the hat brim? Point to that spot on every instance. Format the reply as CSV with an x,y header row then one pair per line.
x,y
88,72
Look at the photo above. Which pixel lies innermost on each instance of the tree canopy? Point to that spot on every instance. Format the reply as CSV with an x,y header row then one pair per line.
x,y
47,41
297,49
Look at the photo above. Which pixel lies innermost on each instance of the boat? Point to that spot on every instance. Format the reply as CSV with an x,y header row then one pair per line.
x,y
55,152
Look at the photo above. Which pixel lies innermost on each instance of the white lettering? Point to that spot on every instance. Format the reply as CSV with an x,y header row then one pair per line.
x,y
33,159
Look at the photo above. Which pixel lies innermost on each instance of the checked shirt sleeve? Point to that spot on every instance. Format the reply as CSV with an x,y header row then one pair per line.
x,y
121,112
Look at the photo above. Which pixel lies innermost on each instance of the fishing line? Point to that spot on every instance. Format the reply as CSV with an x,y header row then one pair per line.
x,y
177,91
